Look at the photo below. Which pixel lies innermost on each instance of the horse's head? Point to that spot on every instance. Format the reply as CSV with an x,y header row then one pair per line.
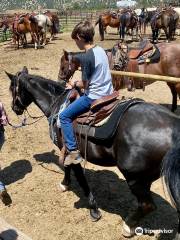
x,y
68,66
120,56
21,97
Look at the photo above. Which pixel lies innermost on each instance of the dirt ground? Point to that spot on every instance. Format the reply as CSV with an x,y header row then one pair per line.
x,y
28,159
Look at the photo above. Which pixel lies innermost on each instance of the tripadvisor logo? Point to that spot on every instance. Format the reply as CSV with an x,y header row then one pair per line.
x,y
140,231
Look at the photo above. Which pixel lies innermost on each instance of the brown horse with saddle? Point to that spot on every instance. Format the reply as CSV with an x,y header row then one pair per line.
x,y
23,24
161,59
166,19
107,19
128,21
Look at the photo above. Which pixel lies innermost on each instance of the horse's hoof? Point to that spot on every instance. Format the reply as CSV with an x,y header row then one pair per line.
x,y
63,188
5,197
127,231
95,215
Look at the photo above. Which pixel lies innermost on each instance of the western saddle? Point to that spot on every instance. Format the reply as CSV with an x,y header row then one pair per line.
x,y
136,53
146,54
100,108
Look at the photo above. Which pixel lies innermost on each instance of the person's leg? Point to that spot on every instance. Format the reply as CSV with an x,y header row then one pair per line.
x,y
2,140
4,196
78,107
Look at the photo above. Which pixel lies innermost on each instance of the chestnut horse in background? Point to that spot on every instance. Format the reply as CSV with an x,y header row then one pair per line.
x,y
107,19
168,65
23,24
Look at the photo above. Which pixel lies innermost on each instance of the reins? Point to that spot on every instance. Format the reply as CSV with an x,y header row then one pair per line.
x,y
24,121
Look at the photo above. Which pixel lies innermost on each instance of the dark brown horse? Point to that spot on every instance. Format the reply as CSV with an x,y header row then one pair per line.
x,y
26,24
55,23
167,20
146,134
107,19
128,21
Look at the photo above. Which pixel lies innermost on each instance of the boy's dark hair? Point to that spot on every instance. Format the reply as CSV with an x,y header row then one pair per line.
x,y
84,30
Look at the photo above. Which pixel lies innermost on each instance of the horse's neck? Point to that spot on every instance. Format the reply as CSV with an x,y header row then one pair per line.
x,y
45,99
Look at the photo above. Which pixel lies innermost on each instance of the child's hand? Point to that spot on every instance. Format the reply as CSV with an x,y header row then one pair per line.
x,y
69,86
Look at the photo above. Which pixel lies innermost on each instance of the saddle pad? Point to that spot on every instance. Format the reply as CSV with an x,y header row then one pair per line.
x,y
107,130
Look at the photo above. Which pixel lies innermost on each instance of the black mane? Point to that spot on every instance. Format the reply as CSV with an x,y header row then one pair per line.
x,y
51,86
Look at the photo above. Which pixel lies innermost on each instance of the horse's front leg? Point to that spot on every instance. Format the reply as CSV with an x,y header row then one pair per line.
x,y
64,185
167,34
52,35
44,39
94,211
34,40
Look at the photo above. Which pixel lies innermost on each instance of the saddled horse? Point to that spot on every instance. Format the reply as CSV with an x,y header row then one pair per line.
x,y
167,20
107,19
128,21
142,138
168,65
23,24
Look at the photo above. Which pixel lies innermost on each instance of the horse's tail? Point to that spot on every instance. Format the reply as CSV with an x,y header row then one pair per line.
x,y
101,28
171,173
97,22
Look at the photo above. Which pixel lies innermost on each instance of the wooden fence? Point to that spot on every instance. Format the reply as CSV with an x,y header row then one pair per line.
x,y
68,21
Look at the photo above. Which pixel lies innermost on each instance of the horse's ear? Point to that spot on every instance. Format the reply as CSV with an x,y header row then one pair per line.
x,y
10,76
25,70
65,54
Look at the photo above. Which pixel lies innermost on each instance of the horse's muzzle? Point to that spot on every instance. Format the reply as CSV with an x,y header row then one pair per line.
x,y
17,110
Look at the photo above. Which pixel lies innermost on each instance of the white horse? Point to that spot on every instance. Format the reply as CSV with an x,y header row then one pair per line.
x,y
45,25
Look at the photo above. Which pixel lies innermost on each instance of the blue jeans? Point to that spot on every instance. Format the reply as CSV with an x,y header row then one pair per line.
x,y
78,107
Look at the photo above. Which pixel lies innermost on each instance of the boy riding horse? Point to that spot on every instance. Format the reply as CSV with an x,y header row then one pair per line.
x,y
96,82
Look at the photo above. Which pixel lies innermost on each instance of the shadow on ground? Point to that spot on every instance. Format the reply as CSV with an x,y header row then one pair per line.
x,y
113,196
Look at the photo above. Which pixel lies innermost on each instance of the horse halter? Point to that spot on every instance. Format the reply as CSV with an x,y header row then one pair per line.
x,y
70,57
15,95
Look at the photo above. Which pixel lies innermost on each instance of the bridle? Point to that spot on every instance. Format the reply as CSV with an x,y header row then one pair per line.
x,y
22,106
70,69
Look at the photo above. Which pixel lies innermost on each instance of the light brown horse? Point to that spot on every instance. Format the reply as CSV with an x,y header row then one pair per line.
x,y
168,65
26,24
107,19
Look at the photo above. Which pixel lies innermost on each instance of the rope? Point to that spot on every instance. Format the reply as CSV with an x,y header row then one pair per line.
x,y
24,121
